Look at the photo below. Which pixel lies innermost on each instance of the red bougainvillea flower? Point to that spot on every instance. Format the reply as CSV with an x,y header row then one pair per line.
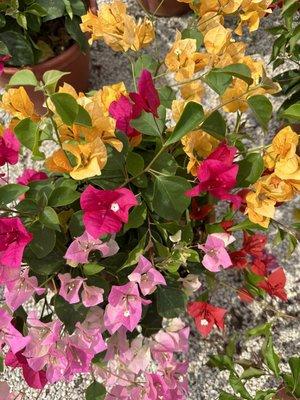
x,y
206,316
245,296
259,268
13,239
31,175
217,175
147,97
9,148
275,283
239,259
200,212
105,211
254,244
36,380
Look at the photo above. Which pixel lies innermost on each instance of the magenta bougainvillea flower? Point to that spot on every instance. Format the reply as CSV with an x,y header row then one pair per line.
x,y
70,287
105,211
79,250
19,291
206,316
124,110
146,276
9,148
217,175
216,256
35,380
31,175
124,307
10,335
3,59
14,237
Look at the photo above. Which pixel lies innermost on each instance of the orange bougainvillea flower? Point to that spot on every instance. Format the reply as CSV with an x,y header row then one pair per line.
x,y
17,103
260,208
217,39
58,162
252,12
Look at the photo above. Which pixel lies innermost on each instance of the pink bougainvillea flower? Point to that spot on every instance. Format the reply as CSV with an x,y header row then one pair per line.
x,y
91,295
105,211
146,276
79,250
8,275
216,256
173,340
9,148
10,335
124,307
206,316
217,175
13,239
70,287
35,380
275,283
124,111
31,175
3,59
6,394
147,97
21,290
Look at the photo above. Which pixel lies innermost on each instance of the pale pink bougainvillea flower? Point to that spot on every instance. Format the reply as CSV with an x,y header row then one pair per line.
x,y
79,250
13,239
21,290
217,175
91,295
31,175
146,276
70,287
10,335
9,148
105,211
216,257
124,307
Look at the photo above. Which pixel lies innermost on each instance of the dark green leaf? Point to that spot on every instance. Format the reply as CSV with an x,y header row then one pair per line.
x,y
148,124
252,372
171,301
238,386
49,218
55,8
221,361
136,217
227,396
19,48
271,359
215,125
145,62
262,109
47,265
166,164
166,95
66,107
294,363
11,192
135,163
62,196
92,269
43,240
292,112
134,255
193,33
261,330
190,119
68,313
217,81
73,29
96,391
28,133
250,169
240,71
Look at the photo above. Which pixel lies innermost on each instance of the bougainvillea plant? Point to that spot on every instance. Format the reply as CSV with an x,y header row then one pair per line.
x,y
139,203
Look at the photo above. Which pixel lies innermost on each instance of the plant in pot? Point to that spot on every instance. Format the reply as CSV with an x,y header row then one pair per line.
x,y
43,36
111,236
164,8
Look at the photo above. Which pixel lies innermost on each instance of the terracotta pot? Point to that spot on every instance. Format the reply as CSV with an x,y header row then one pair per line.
x,y
71,60
168,8
282,395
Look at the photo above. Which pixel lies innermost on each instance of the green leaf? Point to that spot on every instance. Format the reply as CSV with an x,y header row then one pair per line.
x,y
238,386
190,119
62,196
134,255
92,269
171,301
292,112
289,6
96,391
27,131
166,164
227,396
73,29
68,313
151,322
83,118
66,107
45,266
43,240
262,109
252,372
294,363
55,8
193,33
169,199
215,125
145,61
166,96
19,48
51,79
261,330
135,163
136,217
217,81
49,218
11,192
250,169
240,71
221,361
271,359
149,125
22,78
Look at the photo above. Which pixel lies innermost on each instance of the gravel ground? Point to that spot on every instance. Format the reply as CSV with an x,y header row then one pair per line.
x,y
205,383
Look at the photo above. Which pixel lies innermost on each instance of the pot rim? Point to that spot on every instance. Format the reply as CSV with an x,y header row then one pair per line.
x,y
63,60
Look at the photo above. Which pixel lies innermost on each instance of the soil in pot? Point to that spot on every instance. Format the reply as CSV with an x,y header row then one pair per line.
x,y
167,8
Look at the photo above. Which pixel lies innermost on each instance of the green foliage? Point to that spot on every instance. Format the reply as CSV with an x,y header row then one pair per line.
x,y
262,109
96,391
171,301
250,169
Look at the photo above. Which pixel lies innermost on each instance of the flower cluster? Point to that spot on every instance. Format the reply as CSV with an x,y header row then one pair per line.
x,y
103,245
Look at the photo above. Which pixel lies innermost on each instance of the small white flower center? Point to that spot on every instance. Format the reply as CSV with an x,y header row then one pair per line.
x,y
115,207
126,313
204,322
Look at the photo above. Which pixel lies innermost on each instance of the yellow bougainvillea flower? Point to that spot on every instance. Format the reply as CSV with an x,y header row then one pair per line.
x,y
117,29
232,54
180,58
90,158
209,21
17,103
260,208
276,189
234,97
217,39
197,145
253,11
230,6
108,94
193,91
283,147
177,108
288,168
58,162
